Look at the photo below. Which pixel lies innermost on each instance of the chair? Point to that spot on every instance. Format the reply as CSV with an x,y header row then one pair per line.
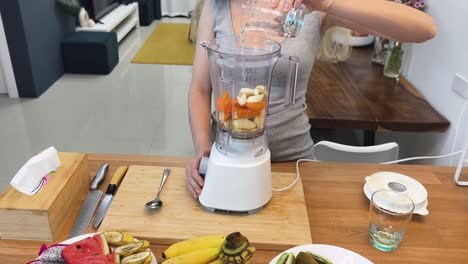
x,y
333,152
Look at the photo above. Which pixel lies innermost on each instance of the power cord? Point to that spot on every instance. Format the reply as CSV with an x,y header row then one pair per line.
x,y
298,175
422,158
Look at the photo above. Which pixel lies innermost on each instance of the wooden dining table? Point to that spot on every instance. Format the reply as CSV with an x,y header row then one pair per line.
x,y
337,210
356,95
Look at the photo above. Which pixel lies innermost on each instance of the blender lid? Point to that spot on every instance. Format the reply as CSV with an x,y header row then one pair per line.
x,y
399,183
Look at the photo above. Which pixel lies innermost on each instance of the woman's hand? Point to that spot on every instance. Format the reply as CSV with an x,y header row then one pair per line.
x,y
192,176
320,5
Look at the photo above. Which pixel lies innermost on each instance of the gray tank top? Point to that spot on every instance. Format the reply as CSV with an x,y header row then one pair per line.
x,y
287,128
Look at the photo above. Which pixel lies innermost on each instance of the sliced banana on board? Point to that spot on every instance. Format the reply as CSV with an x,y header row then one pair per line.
x,y
138,258
129,249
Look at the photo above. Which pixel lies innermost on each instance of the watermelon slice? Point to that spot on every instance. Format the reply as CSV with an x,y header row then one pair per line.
x,y
93,250
97,259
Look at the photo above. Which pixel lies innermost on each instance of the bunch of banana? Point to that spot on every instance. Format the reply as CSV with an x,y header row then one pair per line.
x,y
132,251
198,250
236,250
303,258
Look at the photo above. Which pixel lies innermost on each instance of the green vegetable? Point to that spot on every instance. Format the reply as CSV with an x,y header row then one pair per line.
x,y
320,259
287,258
305,258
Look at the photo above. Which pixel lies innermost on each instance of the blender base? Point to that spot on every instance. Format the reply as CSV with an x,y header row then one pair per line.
x,y
214,210
236,185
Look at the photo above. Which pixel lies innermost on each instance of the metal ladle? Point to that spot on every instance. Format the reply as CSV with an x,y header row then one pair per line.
x,y
157,203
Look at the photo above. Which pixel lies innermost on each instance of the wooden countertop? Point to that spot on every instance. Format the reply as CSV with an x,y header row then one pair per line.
x,y
338,211
355,94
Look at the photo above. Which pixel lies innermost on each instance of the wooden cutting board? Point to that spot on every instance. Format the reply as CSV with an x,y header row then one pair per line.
x,y
282,224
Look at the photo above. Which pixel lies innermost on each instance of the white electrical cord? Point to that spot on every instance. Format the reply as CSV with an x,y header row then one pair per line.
x,y
460,118
298,175
427,157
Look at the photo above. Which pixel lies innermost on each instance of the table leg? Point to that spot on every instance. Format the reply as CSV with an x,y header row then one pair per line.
x,y
369,138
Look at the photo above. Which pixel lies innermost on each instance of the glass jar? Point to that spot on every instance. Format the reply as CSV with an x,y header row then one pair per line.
x,y
260,16
394,60
381,46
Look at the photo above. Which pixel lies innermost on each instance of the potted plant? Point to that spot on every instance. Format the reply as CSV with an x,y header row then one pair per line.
x,y
394,55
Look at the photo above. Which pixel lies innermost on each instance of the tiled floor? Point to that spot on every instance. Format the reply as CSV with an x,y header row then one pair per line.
x,y
137,109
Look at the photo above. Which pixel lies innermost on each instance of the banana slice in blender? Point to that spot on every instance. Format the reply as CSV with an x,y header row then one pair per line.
x,y
256,98
227,124
260,89
242,99
259,121
243,124
247,92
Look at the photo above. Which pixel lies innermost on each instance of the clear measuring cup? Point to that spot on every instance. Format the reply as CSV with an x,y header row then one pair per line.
x,y
259,15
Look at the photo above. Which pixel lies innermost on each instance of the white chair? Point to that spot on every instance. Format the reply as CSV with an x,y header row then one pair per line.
x,y
333,152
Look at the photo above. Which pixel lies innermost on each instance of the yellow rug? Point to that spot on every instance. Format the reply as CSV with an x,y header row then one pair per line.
x,y
168,44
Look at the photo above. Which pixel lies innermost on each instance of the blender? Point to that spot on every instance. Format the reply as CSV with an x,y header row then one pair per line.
x,y
238,171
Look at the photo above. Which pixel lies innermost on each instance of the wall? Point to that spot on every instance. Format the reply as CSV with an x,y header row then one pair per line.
x,y
34,30
6,65
3,87
431,68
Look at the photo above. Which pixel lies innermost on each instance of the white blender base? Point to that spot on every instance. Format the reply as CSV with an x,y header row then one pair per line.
x,y
236,184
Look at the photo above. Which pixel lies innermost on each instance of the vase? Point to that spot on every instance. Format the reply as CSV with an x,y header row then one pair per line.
x,y
380,50
394,60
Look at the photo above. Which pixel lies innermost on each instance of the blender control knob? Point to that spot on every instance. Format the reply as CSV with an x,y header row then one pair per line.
x,y
203,165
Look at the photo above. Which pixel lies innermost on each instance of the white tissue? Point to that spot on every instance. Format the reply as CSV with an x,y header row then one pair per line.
x,y
29,177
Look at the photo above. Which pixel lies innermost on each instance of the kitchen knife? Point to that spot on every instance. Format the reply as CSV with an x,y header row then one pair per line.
x,y
90,204
111,189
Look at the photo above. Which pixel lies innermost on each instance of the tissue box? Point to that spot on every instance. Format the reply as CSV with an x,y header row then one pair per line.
x,y
48,215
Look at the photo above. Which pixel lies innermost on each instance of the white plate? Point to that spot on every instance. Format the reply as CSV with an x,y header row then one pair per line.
x,y
337,255
361,41
78,238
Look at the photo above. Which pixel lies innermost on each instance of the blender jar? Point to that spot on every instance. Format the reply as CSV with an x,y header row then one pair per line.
x,y
240,71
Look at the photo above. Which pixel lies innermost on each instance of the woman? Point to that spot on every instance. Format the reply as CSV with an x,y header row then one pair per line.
x,y
288,129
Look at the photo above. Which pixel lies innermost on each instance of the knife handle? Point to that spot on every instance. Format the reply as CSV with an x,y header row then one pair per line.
x,y
99,177
116,179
